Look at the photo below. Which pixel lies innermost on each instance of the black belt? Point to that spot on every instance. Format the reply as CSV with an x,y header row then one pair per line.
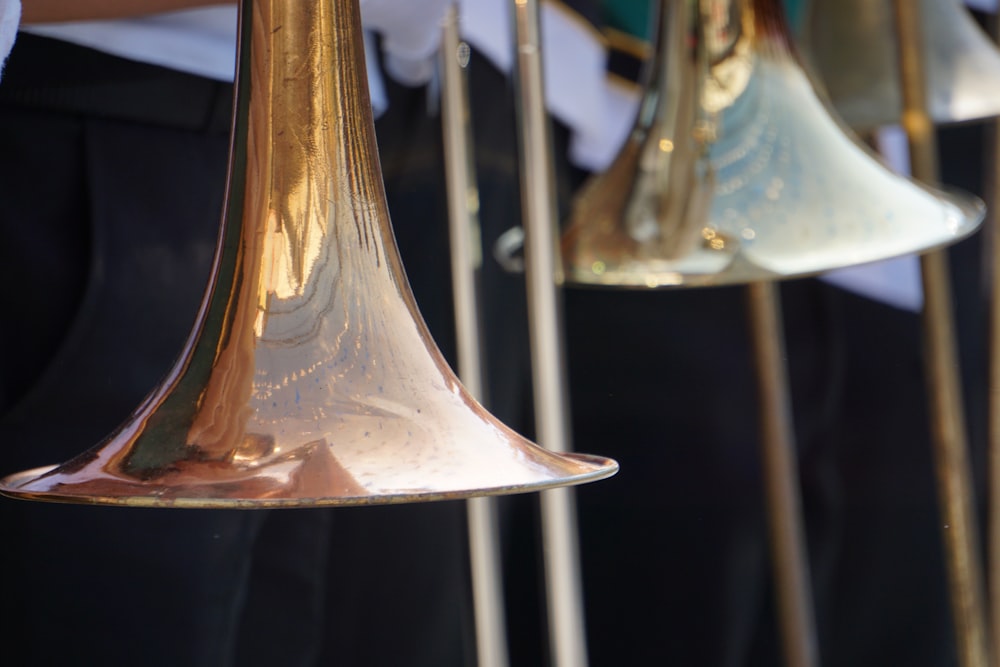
x,y
53,75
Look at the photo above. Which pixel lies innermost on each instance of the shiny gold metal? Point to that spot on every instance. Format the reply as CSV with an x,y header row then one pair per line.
x,y
960,535
310,378
789,560
714,169
736,170
851,46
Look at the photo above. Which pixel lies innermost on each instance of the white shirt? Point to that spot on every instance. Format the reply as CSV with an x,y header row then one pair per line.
x,y
198,41
203,41
10,17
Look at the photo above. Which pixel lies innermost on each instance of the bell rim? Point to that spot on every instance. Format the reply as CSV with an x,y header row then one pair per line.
x,y
10,486
576,275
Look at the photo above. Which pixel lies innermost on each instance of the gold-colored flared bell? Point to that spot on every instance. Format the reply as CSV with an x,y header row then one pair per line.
x,y
851,46
310,378
736,170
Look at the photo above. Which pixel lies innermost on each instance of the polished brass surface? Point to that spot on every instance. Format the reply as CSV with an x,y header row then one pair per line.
x,y
789,562
736,170
959,531
851,46
310,378
960,535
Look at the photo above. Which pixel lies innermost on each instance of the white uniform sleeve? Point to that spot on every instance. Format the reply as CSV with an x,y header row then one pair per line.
x,y
10,17
411,35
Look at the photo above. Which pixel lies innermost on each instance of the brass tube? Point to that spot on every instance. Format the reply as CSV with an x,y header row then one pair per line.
x,y
948,432
781,480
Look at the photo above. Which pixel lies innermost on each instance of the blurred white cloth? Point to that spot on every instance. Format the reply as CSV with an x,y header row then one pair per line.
x,y
10,17
197,41
983,5
577,90
411,35
202,41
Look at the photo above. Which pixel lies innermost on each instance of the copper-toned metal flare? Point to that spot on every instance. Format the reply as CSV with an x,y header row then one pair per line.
x,y
310,378
736,170
851,46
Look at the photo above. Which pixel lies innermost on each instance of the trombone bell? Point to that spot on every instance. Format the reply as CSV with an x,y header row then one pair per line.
x,y
310,378
736,171
850,44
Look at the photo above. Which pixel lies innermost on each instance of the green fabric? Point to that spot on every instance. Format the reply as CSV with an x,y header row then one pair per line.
x,y
629,16
632,16
795,11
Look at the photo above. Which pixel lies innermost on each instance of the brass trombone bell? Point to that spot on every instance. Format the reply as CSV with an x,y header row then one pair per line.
x,y
736,171
310,378
851,46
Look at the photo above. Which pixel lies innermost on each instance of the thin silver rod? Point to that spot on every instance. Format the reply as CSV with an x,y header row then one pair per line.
x,y
466,260
789,559
567,635
948,433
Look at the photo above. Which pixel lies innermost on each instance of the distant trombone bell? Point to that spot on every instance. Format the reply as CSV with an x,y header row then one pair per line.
x,y
310,378
851,45
736,171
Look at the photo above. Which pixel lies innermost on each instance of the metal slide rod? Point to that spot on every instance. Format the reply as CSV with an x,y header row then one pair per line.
x,y
781,480
993,397
466,260
944,385
567,635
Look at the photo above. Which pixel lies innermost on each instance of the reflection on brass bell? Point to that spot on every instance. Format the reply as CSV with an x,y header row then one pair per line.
x,y
851,46
736,171
310,378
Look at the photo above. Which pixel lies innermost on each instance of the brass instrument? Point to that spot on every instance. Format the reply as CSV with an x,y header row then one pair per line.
x,y
960,535
850,44
736,171
309,378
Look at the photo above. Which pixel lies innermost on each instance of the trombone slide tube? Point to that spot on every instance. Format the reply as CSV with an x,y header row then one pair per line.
x,y
567,633
463,224
781,480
